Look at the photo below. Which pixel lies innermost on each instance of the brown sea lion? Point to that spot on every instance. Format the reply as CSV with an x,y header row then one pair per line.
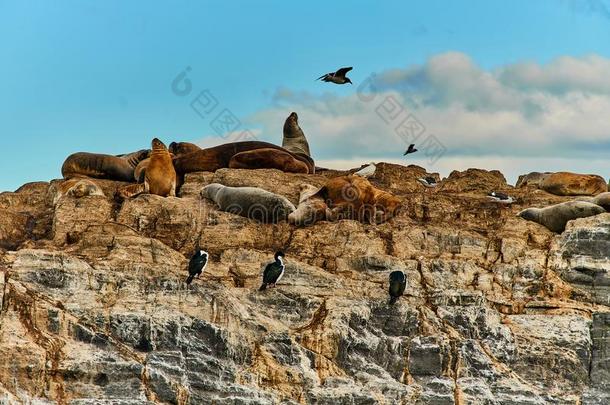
x,y
354,197
218,157
182,148
269,159
345,197
160,176
103,166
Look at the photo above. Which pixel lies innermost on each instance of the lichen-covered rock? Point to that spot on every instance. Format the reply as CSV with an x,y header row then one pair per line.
x,y
497,310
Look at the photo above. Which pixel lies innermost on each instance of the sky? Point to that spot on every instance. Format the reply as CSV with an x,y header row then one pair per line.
x,y
517,86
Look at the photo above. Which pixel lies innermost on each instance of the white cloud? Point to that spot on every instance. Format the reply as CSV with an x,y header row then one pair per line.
x,y
521,112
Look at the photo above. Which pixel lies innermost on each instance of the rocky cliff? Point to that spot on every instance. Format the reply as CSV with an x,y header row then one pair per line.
x,y
497,310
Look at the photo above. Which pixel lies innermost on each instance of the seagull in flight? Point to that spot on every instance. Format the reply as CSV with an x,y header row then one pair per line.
x,y
337,77
410,150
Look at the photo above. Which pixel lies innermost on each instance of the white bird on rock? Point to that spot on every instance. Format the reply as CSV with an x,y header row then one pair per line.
x,y
367,171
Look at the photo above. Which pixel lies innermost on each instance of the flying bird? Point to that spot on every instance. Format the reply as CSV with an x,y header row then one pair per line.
x,y
410,150
428,181
501,197
398,283
337,77
273,271
197,264
367,171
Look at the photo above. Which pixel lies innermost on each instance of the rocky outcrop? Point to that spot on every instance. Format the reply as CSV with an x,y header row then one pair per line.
x,y
497,310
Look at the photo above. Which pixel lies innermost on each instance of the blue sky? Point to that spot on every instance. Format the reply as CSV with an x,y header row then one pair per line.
x,y
96,76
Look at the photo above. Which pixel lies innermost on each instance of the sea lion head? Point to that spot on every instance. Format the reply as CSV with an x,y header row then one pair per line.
x,y
211,190
291,125
157,145
530,214
182,148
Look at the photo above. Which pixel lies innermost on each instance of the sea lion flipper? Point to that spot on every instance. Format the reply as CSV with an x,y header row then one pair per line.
x,y
131,190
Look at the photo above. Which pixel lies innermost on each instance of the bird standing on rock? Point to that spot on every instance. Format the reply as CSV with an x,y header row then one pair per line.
x,y
501,197
273,271
337,77
197,264
367,171
398,283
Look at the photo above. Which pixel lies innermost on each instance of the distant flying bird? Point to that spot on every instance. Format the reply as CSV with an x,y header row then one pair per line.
x,y
367,171
501,197
398,283
197,264
337,77
411,149
273,271
428,181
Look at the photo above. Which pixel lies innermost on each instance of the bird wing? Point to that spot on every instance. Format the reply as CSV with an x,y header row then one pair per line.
x,y
342,72
271,273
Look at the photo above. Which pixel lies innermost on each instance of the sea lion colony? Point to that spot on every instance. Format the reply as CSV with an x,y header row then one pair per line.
x,y
160,171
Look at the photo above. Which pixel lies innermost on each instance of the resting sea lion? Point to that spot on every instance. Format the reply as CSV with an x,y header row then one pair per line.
x,y
312,207
355,197
250,202
555,217
103,166
218,157
140,170
603,200
352,197
76,188
181,148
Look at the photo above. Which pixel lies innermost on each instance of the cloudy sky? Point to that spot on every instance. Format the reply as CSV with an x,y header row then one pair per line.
x,y
515,86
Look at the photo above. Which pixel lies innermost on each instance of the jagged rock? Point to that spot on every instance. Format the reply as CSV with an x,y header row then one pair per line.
x,y
497,310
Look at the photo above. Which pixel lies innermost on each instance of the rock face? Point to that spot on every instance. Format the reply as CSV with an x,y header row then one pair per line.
x,y
498,310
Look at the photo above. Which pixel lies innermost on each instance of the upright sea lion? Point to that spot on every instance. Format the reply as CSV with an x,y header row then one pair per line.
x,y
103,166
294,138
555,217
250,202
182,148
160,176
221,156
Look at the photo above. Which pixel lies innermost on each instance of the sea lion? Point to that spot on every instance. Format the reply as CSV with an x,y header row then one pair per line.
x,y
311,209
218,157
76,188
354,197
603,200
555,217
160,176
140,170
269,159
345,197
182,148
250,202
294,138
102,166
566,183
